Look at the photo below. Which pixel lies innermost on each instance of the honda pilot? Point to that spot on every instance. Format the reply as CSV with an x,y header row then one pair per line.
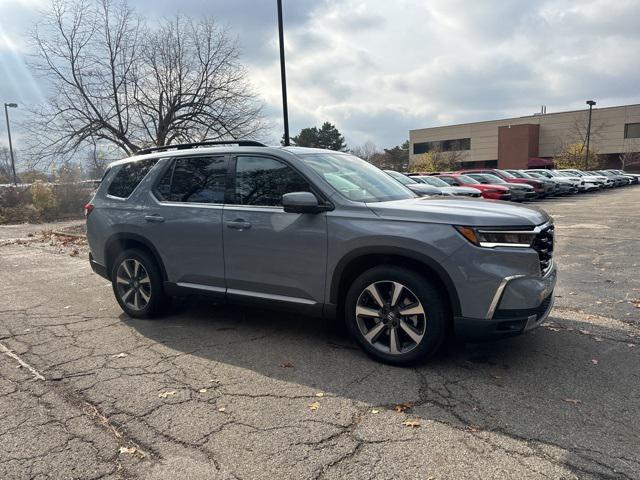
x,y
323,233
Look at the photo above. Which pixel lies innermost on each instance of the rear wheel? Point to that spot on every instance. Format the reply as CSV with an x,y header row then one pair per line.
x,y
137,284
396,315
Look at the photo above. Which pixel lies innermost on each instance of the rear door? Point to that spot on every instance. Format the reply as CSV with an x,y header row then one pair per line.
x,y
271,254
184,219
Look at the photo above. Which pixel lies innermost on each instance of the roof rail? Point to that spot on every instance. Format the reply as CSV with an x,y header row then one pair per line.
x,y
186,146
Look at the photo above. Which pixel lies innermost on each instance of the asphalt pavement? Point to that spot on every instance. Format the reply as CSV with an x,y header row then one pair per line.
x,y
218,392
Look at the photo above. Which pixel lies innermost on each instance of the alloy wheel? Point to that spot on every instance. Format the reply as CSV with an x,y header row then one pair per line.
x,y
133,284
390,317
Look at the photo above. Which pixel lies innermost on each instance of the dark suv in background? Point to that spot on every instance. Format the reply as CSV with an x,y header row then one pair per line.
x,y
323,233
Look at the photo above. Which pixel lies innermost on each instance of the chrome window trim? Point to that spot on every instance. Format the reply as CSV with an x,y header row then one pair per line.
x,y
255,208
215,206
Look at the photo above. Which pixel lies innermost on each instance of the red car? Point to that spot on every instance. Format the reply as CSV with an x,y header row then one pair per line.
x,y
537,185
491,191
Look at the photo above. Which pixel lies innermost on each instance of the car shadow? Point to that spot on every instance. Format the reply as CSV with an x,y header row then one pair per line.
x,y
553,387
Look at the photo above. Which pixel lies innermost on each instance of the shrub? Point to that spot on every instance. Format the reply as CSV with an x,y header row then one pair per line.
x,y
42,197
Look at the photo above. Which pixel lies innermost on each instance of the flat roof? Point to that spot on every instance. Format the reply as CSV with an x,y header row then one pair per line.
x,y
535,115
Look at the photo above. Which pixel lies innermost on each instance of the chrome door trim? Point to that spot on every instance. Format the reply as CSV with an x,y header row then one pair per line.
x,y
199,286
271,296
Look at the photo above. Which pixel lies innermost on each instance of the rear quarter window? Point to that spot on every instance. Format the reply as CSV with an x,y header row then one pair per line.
x,y
129,177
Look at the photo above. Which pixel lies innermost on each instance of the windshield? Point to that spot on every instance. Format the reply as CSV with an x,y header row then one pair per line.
x,y
506,174
436,182
403,179
356,179
468,179
488,178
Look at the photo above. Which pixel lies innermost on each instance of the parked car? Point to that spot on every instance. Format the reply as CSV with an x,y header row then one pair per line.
x,y
588,183
619,180
275,226
563,186
445,187
635,178
576,182
550,188
600,180
519,191
491,192
538,186
416,187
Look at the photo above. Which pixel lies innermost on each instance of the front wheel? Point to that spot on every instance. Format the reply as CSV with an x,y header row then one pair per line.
x,y
137,284
396,315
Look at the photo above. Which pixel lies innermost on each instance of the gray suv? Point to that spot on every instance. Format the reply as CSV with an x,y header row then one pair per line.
x,y
323,233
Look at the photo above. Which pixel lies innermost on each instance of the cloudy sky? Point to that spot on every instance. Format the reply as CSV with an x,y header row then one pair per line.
x,y
377,68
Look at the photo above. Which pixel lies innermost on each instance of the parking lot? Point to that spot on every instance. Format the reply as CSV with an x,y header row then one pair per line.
x,y
221,392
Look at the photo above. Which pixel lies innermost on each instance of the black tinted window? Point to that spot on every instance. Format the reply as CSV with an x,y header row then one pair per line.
x,y
263,181
129,176
194,180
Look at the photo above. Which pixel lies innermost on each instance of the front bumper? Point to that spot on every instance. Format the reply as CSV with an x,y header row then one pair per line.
x,y
505,323
505,316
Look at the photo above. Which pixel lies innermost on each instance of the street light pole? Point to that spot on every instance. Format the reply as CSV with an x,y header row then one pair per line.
x,y
283,76
591,103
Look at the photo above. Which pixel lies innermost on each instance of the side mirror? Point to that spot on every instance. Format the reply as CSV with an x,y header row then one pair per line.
x,y
302,202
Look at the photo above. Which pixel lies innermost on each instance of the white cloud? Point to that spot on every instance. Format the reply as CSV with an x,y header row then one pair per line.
x,y
378,68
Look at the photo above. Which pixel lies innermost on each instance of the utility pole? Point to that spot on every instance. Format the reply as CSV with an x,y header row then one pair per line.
x,y
13,163
283,77
591,103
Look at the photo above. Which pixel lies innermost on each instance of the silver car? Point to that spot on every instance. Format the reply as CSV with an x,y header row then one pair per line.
x,y
323,233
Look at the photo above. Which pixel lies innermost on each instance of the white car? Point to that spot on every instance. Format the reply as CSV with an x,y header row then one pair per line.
x,y
576,182
601,180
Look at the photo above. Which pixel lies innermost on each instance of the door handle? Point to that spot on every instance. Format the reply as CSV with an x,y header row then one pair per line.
x,y
154,218
238,224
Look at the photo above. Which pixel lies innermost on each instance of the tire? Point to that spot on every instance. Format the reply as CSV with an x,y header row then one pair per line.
x,y
418,335
137,282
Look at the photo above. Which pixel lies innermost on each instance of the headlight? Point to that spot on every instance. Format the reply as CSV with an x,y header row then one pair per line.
x,y
490,238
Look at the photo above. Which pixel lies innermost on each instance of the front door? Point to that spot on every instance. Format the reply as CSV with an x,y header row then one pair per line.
x,y
184,221
271,254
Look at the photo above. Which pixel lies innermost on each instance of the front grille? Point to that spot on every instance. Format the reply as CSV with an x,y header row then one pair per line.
x,y
543,244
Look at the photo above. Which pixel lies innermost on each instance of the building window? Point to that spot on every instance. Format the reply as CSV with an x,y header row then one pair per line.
x,y
442,145
632,130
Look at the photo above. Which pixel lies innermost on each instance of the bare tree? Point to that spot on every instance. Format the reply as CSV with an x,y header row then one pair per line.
x,y
366,151
629,158
118,81
580,127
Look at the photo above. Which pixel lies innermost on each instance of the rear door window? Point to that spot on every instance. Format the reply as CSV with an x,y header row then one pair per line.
x,y
129,177
194,180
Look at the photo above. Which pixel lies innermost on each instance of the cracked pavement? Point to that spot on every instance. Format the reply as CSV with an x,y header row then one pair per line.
x,y
218,392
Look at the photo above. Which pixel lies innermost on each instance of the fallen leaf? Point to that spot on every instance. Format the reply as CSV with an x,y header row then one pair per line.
x,y
401,407
553,329
74,253
585,332
286,365
319,394
594,361
598,302
598,339
411,423
572,293
375,411
222,409
473,428
203,390
314,406
167,394
120,355
572,400
129,450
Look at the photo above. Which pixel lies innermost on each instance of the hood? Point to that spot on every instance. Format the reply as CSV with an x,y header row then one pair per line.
x,y
460,211
519,186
